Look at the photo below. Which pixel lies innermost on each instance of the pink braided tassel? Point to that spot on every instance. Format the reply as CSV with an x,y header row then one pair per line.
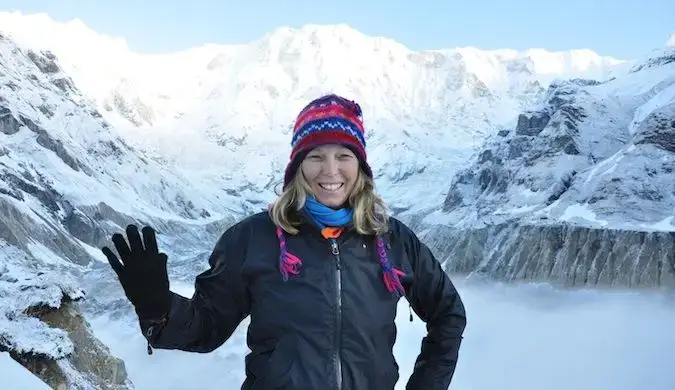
x,y
390,275
392,281
288,262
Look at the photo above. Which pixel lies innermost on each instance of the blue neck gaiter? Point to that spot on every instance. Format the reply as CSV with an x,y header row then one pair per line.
x,y
325,216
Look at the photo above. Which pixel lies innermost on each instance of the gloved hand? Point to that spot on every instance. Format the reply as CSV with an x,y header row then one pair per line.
x,y
142,272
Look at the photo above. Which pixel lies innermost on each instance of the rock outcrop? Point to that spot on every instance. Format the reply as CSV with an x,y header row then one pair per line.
x,y
42,328
561,254
89,364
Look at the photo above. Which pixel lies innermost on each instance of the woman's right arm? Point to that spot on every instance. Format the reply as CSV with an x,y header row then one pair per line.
x,y
219,304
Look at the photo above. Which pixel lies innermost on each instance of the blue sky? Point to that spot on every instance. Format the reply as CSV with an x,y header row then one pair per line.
x,y
620,28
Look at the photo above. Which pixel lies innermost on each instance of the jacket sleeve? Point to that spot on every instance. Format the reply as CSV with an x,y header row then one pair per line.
x,y
219,303
435,300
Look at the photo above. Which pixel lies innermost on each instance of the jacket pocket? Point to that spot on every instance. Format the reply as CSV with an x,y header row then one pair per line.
x,y
271,370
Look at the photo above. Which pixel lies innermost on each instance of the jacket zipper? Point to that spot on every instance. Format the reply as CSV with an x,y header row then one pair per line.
x,y
337,359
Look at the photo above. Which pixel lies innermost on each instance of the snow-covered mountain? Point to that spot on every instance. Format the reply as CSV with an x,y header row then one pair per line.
x,y
581,190
425,111
600,152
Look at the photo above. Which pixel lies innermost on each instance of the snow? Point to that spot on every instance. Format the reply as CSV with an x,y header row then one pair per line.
x,y
608,165
20,378
582,211
25,284
523,337
665,225
660,99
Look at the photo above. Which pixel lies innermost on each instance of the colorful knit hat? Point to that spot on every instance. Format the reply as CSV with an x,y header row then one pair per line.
x,y
330,119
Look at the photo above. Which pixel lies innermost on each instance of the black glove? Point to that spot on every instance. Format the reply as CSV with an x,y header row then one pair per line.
x,y
142,272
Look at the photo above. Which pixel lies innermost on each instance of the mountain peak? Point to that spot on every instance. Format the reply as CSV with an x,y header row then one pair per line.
x,y
326,38
39,31
343,29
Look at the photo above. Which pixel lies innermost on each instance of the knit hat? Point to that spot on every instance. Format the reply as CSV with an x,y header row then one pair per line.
x,y
330,119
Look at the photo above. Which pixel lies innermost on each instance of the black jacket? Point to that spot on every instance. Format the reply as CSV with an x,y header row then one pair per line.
x,y
329,327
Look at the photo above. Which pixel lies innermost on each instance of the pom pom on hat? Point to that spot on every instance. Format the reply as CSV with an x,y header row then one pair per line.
x,y
330,119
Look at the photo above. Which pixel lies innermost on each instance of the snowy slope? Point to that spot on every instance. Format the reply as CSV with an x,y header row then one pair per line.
x,y
425,111
18,376
64,171
595,154
52,128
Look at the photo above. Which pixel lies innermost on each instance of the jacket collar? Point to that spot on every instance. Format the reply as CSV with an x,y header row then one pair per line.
x,y
309,226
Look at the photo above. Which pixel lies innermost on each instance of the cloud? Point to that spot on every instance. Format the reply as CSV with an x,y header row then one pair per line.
x,y
671,40
526,337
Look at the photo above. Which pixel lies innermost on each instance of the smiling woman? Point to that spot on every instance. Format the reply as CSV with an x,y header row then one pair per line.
x,y
321,274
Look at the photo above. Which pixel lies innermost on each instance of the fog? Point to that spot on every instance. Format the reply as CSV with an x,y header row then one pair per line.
x,y
522,337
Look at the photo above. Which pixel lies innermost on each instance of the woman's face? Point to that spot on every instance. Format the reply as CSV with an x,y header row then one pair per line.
x,y
331,171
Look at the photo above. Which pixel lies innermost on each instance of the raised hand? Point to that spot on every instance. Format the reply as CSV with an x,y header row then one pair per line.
x,y
141,271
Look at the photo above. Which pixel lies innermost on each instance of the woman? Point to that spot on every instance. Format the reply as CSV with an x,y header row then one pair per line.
x,y
320,273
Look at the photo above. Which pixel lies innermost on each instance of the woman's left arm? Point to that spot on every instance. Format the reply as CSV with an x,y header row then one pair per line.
x,y
434,298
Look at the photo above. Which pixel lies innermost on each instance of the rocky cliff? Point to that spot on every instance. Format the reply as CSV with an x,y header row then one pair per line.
x,y
562,254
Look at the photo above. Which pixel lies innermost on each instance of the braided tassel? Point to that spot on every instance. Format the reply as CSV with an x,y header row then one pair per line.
x,y
391,275
288,262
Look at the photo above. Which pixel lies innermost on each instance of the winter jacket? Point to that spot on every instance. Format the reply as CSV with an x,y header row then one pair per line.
x,y
329,327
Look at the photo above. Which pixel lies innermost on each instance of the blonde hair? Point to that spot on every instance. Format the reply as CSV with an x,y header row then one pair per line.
x,y
370,212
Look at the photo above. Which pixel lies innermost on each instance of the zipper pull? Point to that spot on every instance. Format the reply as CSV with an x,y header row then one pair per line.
x,y
149,334
336,252
151,331
410,310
